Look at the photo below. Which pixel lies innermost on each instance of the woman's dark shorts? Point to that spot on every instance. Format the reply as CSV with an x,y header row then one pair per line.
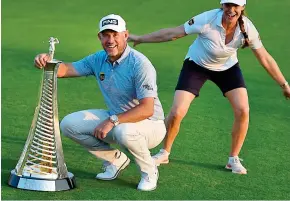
x,y
192,77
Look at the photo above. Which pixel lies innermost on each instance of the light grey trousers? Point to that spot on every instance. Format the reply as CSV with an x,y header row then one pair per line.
x,y
137,137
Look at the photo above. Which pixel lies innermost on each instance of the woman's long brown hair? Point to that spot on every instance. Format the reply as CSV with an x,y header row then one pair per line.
x,y
242,27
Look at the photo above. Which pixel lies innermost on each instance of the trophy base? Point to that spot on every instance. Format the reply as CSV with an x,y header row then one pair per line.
x,y
38,184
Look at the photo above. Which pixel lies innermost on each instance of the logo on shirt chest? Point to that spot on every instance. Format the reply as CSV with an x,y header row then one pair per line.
x,y
102,76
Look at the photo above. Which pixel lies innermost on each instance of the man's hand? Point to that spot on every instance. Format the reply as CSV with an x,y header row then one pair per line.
x,y
103,129
40,60
286,92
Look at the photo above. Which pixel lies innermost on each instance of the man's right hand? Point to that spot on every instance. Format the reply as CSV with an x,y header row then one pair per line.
x,y
40,60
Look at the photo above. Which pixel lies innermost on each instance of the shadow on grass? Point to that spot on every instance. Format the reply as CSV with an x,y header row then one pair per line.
x,y
80,175
118,182
202,165
10,164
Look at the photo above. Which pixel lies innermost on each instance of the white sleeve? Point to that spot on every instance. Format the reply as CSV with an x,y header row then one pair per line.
x,y
254,36
196,24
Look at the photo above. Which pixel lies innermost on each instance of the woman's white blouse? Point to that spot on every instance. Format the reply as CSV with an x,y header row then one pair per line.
x,y
209,49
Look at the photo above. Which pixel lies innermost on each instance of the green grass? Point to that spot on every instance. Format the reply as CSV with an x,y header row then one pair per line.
x,y
200,152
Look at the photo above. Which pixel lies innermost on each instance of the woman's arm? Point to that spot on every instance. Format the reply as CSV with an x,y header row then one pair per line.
x,y
162,35
270,65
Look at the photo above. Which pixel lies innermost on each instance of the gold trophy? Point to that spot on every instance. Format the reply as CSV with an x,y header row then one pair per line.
x,y
41,166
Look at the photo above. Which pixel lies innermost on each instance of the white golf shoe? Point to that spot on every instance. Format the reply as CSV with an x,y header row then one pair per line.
x,y
148,182
162,157
235,165
112,170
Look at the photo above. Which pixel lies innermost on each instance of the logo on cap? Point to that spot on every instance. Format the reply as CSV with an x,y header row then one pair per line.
x,y
109,21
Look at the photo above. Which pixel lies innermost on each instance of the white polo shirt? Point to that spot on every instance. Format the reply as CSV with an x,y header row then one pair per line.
x,y
209,49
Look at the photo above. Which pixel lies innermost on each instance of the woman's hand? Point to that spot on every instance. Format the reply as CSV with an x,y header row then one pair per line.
x,y
286,92
135,39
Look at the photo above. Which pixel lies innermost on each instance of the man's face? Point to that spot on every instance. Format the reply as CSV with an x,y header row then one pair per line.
x,y
232,12
113,42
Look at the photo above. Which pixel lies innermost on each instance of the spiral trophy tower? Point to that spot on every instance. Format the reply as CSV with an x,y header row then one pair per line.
x,y
41,166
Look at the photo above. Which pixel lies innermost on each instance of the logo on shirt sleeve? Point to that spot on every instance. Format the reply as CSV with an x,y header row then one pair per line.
x,y
148,87
191,21
102,76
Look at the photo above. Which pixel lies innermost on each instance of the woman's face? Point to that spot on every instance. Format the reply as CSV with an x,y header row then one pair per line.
x,y
232,12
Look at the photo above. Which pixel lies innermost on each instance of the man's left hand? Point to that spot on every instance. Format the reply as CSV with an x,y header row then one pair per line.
x,y
103,129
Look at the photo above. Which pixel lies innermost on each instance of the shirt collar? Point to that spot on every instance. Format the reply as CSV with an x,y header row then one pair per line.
x,y
219,19
219,22
123,56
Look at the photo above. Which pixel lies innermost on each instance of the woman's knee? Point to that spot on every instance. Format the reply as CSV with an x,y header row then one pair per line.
x,y
177,114
242,113
181,103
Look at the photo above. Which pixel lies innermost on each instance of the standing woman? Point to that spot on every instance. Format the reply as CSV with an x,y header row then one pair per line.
x,y
213,56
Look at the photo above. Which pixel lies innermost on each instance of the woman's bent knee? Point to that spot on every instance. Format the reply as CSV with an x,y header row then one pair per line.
x,y
242,113
176,115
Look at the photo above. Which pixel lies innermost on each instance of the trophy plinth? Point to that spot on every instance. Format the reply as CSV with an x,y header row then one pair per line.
x,y
38,184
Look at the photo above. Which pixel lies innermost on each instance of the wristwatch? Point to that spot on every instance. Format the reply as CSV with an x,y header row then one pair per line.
x,y
114,119
284,85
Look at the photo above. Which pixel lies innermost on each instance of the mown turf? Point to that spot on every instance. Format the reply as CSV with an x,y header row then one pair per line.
x,y
200,152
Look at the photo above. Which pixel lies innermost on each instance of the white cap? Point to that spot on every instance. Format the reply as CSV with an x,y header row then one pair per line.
x,y
113,22
238,2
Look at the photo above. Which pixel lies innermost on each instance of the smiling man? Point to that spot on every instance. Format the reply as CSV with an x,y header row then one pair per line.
x,y
134,118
